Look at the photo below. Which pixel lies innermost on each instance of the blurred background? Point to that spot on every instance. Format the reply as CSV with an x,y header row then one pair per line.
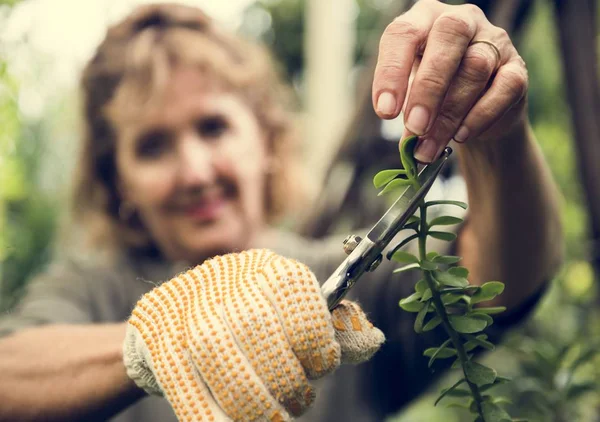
x,y
325,49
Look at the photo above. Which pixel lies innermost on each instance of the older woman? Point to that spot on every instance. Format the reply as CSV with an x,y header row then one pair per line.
x,y
188,155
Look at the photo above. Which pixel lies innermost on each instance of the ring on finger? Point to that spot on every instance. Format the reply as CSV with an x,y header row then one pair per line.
x,y
496,51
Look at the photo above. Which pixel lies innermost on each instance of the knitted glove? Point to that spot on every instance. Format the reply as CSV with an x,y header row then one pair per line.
x,y
238,338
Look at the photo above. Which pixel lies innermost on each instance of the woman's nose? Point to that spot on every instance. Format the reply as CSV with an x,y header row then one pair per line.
x,y
196,162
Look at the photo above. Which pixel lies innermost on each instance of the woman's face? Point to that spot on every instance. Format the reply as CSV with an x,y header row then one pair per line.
x,y
193,167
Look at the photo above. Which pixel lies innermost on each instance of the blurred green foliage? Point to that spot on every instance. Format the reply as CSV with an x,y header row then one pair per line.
x,y
27,214
280,24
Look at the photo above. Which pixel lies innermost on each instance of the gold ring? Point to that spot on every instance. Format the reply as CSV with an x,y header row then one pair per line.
x,y
496,50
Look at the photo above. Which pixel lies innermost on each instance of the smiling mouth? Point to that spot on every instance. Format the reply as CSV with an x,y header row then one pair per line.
x,y
207,209
205,204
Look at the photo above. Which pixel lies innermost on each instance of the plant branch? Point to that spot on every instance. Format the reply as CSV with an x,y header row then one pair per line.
x,y
440,309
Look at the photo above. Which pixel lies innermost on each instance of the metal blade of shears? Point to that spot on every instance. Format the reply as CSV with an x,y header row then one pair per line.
x,y
367,253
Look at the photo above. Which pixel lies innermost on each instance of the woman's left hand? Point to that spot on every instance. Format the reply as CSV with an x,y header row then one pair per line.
x,y
453,73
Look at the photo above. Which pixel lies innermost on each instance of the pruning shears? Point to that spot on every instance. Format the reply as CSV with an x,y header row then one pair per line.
x,y
365,255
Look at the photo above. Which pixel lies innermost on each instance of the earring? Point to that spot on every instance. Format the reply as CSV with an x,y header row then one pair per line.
x,y
126,210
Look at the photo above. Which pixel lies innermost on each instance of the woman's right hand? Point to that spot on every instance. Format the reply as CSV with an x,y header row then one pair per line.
x,y
239,337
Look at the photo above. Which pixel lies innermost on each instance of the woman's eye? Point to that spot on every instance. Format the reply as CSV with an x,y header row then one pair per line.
x,y
212,127
152,145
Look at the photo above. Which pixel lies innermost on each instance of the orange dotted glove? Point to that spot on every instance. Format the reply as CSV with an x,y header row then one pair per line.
x,y
239,337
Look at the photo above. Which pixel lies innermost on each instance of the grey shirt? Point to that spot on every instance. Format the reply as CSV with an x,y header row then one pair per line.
x,y
73,291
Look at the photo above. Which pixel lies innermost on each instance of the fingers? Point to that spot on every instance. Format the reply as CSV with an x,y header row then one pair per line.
x,y
469,75
399,45
260,329
294,292
262,338
471,79
358,338
507,90
156,320
439,30
215,347
446,46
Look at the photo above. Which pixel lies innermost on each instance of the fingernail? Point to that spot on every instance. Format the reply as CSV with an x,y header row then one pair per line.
x,y
418,120
386,103
461,134
426,150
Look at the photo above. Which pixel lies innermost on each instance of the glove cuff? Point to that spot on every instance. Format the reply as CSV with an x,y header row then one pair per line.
x,y
137,362
358,338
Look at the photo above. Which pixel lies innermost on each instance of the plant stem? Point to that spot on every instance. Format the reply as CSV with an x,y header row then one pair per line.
x,y
441,311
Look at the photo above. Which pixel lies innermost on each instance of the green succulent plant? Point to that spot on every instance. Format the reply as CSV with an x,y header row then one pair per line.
x,y
443,296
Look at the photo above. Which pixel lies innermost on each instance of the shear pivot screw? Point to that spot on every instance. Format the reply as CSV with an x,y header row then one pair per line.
x,y
350,243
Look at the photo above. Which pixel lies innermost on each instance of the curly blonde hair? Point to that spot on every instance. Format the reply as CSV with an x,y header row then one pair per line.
x,y
131,64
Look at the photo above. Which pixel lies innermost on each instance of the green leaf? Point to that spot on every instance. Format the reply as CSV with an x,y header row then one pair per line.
x,y
576,390
446,202
488,291
449,237
433,323
466,324
457,364
385,176
446,259
445,220
459,271
448,279
427,294
494,413
479,374
481,316
502,400
421,318
442,352
492,310
421,286
465,289
585,356
449,391
451,298
458,405
400,245
405,257
407,149
470,346
394,186
415,297
480,340
412,303
459,392
406,268
428,265
499,380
